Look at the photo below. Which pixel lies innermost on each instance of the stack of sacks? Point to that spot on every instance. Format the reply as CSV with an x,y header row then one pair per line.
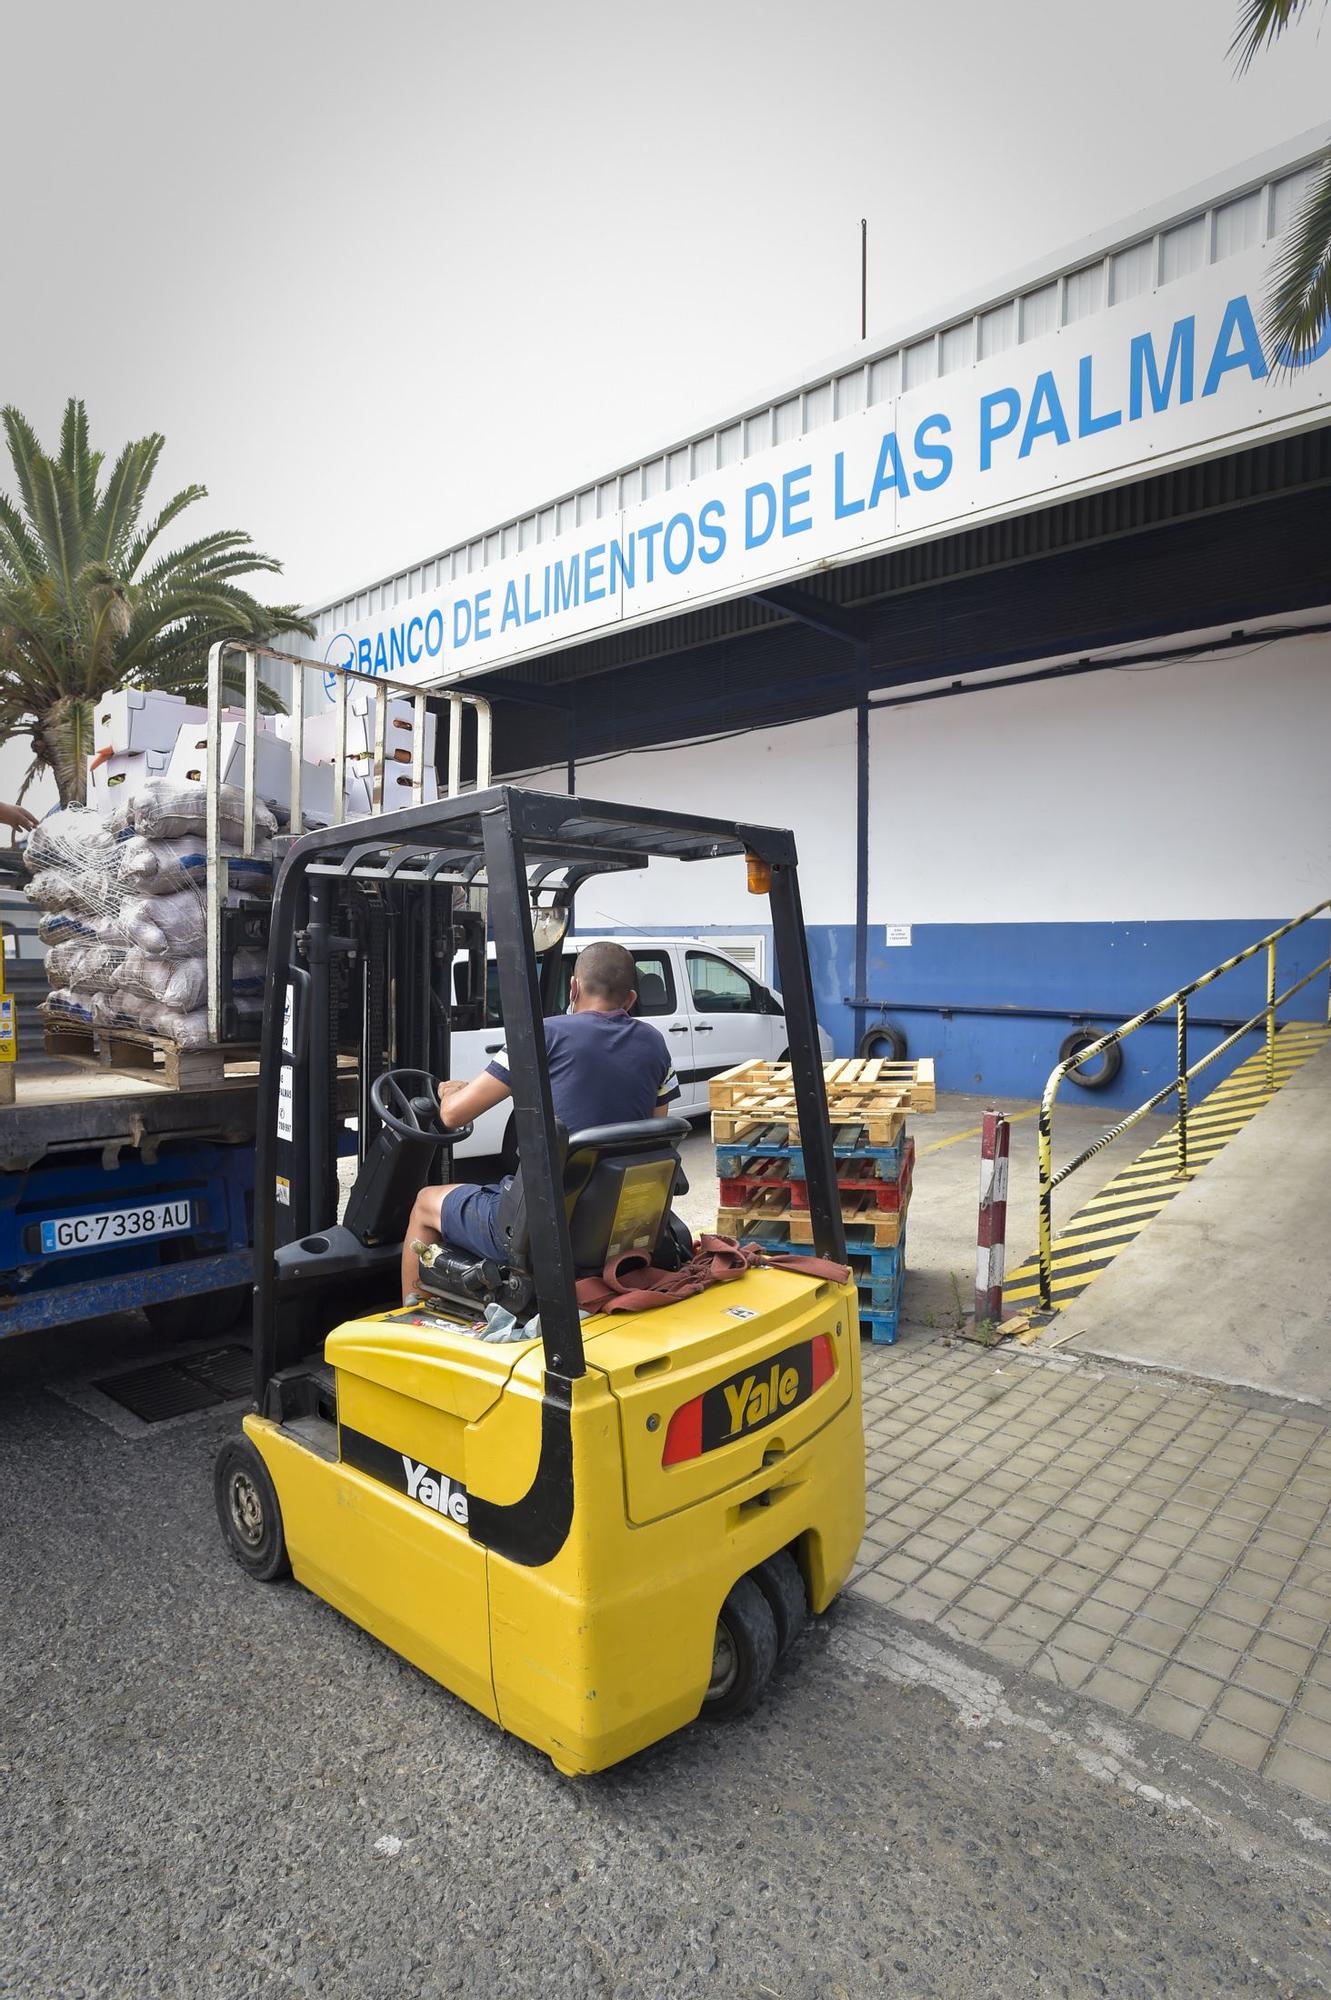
x,y
124,913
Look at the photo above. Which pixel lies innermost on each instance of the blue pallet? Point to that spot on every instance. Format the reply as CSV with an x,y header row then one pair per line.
x,y
888,1158
880,1294
879,1274
880,1326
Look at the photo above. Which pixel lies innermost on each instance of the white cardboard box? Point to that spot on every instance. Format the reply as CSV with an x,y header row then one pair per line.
x,y
399,726
320,739
116,777
272,768
134,719
397,791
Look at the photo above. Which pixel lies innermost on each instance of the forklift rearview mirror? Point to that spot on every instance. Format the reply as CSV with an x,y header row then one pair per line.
x,y
549,921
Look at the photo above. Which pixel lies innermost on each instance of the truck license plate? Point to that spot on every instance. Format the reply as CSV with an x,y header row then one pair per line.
x,y
116,1225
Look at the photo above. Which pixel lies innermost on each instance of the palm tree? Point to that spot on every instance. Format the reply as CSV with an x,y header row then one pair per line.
x,y
1299,302
88,604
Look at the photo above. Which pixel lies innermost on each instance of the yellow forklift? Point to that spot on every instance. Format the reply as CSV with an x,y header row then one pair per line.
x,y
601,1529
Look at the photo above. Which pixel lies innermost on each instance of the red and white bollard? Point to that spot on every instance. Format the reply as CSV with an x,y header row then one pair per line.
x,y
993,1218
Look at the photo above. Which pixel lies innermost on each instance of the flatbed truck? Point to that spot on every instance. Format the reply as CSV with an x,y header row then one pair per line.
x,y
122,1190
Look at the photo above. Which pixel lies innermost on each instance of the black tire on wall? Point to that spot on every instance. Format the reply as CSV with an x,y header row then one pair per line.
x,y
1105,1067
885,1041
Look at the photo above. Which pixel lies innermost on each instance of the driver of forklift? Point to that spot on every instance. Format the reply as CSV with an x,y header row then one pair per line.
x,y
607,1066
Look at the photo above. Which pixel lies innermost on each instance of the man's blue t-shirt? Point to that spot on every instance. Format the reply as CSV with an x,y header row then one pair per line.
x,y
605,1068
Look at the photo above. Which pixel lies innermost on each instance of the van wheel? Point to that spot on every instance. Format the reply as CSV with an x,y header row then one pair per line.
x,y
782,1585
248,1511
743,1653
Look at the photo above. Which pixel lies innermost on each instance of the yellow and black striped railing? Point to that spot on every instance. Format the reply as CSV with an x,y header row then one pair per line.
x,y
1264,1018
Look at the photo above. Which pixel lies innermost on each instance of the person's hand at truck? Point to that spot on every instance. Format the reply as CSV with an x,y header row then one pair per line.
x,y
17,818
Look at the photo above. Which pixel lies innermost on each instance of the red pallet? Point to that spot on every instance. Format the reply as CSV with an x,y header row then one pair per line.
x,y
891,1196
743,1190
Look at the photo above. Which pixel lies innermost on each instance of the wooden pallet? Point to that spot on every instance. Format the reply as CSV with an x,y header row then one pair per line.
x,y
773,1211
881,1129
856,1087
134,1052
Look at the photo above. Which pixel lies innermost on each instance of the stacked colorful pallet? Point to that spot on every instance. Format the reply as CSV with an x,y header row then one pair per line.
x,y
764,1196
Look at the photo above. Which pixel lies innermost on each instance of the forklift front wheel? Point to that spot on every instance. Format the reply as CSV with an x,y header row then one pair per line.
x,y
743,1652
248,1511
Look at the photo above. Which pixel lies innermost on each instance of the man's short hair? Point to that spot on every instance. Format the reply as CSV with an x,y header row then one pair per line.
x,y
606,972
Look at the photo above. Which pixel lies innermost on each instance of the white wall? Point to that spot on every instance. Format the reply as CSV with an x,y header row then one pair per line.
x,y
802,777
1197,790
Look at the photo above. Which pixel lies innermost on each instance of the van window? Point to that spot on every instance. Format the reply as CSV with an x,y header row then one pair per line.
x,y
655,981
494,1006
653,976
721,988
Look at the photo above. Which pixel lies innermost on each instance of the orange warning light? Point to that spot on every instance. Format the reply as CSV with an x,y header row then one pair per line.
x,y
760,876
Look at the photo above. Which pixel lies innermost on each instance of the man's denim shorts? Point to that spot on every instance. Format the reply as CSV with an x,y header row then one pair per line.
x,y
468,1220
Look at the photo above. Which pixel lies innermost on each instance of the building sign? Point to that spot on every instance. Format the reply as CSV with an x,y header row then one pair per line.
x,y
1149,383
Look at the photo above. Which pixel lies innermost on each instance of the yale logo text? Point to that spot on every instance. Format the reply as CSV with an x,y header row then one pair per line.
x,y
436,1490
756,1401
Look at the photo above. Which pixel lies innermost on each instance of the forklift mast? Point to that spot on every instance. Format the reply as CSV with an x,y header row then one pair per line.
x,y
378,943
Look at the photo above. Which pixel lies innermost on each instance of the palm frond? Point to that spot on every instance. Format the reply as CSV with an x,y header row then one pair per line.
x,y
24,452
80,464
54,511
142,542
1298,304
20,551
121,504
223,541
1260,23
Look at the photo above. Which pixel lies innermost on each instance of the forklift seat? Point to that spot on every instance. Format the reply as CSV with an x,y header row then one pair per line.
x,y
618,1182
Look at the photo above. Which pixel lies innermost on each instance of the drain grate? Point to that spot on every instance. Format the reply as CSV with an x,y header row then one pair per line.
x,y
178,1387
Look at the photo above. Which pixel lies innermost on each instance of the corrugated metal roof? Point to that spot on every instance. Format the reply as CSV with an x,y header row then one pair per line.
x,y
1253,204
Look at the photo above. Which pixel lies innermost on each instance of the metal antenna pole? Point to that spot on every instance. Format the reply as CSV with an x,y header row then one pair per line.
x,y
864,277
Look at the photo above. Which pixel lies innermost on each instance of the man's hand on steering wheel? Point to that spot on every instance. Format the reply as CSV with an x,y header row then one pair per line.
x,y
404,1101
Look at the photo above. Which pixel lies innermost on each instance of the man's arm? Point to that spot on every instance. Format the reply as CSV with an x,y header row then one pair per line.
x,y
460,1103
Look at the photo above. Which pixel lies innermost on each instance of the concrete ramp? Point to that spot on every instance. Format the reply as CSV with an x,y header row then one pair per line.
x,y
1232,1280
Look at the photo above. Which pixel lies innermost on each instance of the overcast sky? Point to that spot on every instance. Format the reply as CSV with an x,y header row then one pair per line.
x,y
386,273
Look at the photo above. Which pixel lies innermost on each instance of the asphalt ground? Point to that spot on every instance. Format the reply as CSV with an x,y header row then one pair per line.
x,y
216,1788
210,1787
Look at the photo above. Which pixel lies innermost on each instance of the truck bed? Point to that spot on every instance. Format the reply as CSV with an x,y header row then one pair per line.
x,y
62,1107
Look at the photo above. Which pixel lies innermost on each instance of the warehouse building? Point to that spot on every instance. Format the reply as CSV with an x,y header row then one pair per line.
x,y
1022,619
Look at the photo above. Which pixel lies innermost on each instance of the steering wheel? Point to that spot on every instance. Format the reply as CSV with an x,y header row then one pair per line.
x,y
396,1098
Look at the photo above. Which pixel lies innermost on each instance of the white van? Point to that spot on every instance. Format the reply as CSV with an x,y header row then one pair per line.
x,y
712,1013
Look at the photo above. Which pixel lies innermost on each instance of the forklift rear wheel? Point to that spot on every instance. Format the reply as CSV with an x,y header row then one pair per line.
x,y
782,1585
201,1316
743,1652
248,1511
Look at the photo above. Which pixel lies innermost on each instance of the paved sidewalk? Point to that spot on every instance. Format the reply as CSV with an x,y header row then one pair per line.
x,y
1161,1547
